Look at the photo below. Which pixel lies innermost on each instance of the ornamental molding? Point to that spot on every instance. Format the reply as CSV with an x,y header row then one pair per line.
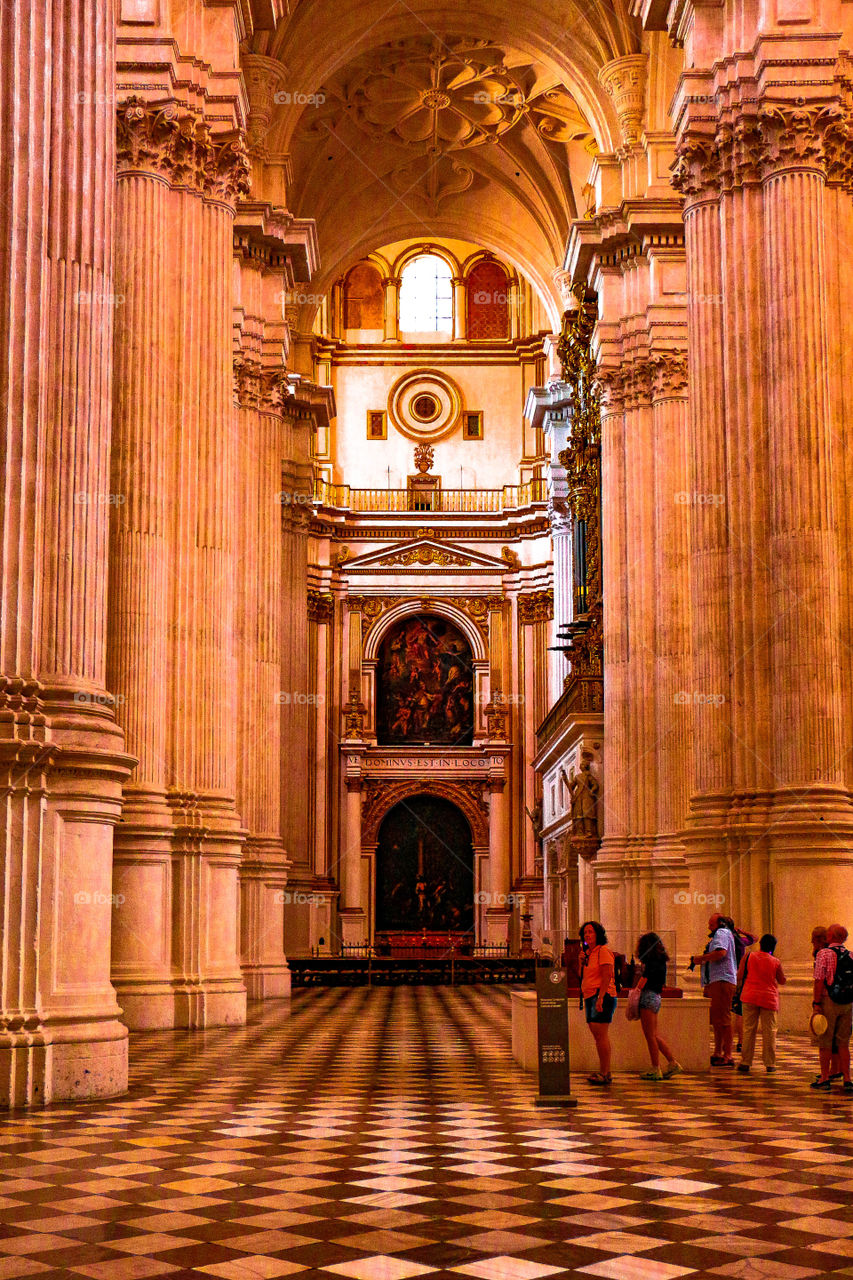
x,y
178,146
478,609
426,553
372,608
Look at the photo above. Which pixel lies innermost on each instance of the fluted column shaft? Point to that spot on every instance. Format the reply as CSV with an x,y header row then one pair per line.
x,y
614,563
640,782
140,582
805,600
707,495
61,754
263,871
672,675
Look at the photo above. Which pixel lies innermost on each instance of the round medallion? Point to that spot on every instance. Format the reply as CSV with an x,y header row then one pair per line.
x,y
435,99
425,405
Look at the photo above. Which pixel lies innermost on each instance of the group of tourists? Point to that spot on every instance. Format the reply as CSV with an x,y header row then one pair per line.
x,y
742,987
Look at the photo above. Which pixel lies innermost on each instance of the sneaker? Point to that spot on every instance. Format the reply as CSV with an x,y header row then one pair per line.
x,y
674,1069
727,1062
821,1084
717,1061
742,1066
847,1086
839,1075
770,1070
656,1075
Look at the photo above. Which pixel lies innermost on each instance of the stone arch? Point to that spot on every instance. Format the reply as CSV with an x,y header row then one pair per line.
x,y
444,609
380,799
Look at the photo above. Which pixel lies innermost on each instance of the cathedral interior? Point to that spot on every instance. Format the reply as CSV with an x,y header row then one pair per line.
x,y
425,527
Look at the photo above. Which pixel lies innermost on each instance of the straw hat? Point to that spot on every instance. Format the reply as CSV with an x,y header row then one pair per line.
x,y
817,1024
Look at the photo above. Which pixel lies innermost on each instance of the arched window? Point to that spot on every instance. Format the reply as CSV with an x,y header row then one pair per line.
x,y
488,301
425,685
426,296
363,298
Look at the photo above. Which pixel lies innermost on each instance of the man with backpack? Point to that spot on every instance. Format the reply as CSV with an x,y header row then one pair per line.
x,y
833,997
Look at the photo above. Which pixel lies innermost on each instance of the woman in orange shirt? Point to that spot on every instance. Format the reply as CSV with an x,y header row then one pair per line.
x,y
598,991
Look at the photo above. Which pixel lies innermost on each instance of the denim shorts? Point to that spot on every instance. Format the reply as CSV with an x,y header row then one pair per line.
x,y
607,1011
650,1000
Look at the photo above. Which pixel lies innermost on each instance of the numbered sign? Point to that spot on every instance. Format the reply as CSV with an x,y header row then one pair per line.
x,y
552,1024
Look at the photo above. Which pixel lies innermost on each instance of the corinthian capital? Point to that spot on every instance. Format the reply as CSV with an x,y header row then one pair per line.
x,y
697,170
177,145
803,136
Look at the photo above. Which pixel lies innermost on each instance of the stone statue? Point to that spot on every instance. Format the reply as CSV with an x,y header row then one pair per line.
x,y
584,790
535,816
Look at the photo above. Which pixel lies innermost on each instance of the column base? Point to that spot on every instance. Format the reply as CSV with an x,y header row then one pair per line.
x,y
146,1006
497,923
352,923
204,1005
35,1071
267,982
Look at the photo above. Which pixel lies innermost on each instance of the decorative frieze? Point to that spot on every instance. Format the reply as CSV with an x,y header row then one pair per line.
x,y
478,609
424,555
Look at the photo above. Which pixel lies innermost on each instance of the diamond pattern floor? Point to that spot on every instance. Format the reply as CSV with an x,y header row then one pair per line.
x,y
386,1134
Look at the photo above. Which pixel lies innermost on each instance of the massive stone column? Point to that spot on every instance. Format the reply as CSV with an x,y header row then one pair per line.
x,y
61,753
141,557
263,870
765,173
707,497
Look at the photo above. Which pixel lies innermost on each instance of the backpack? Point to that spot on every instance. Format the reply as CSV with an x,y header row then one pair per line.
x,y
840,990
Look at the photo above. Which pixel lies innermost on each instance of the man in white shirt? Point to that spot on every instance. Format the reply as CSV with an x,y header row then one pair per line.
x,y
720,981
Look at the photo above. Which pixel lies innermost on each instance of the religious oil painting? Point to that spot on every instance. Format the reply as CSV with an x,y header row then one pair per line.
x,y
425,684
424,867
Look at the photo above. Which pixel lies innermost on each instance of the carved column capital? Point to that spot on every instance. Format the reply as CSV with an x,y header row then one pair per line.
x,y
803,137
669,374
696,171
247,375
611,383
175,144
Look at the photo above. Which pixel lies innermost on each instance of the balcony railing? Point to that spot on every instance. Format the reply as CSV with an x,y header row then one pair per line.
x,y
511,497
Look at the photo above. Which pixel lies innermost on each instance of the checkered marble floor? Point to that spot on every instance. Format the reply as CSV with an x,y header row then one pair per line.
x,y
387,1134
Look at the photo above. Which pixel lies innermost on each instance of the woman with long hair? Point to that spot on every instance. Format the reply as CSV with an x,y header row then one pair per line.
x,y
598,993
652,955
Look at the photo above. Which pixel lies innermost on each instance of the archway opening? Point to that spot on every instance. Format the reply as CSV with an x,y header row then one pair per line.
x,y
424,868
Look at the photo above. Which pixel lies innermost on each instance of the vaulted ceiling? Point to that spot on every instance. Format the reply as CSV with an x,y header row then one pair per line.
x,y
399,119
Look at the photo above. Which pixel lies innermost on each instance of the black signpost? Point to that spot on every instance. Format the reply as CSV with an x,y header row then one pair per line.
x,y
552,1025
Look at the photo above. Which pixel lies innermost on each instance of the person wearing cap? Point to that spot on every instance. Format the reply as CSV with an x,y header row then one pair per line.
x,y
839,1017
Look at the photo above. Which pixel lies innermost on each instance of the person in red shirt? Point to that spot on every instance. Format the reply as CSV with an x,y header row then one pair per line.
x,y
760,976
